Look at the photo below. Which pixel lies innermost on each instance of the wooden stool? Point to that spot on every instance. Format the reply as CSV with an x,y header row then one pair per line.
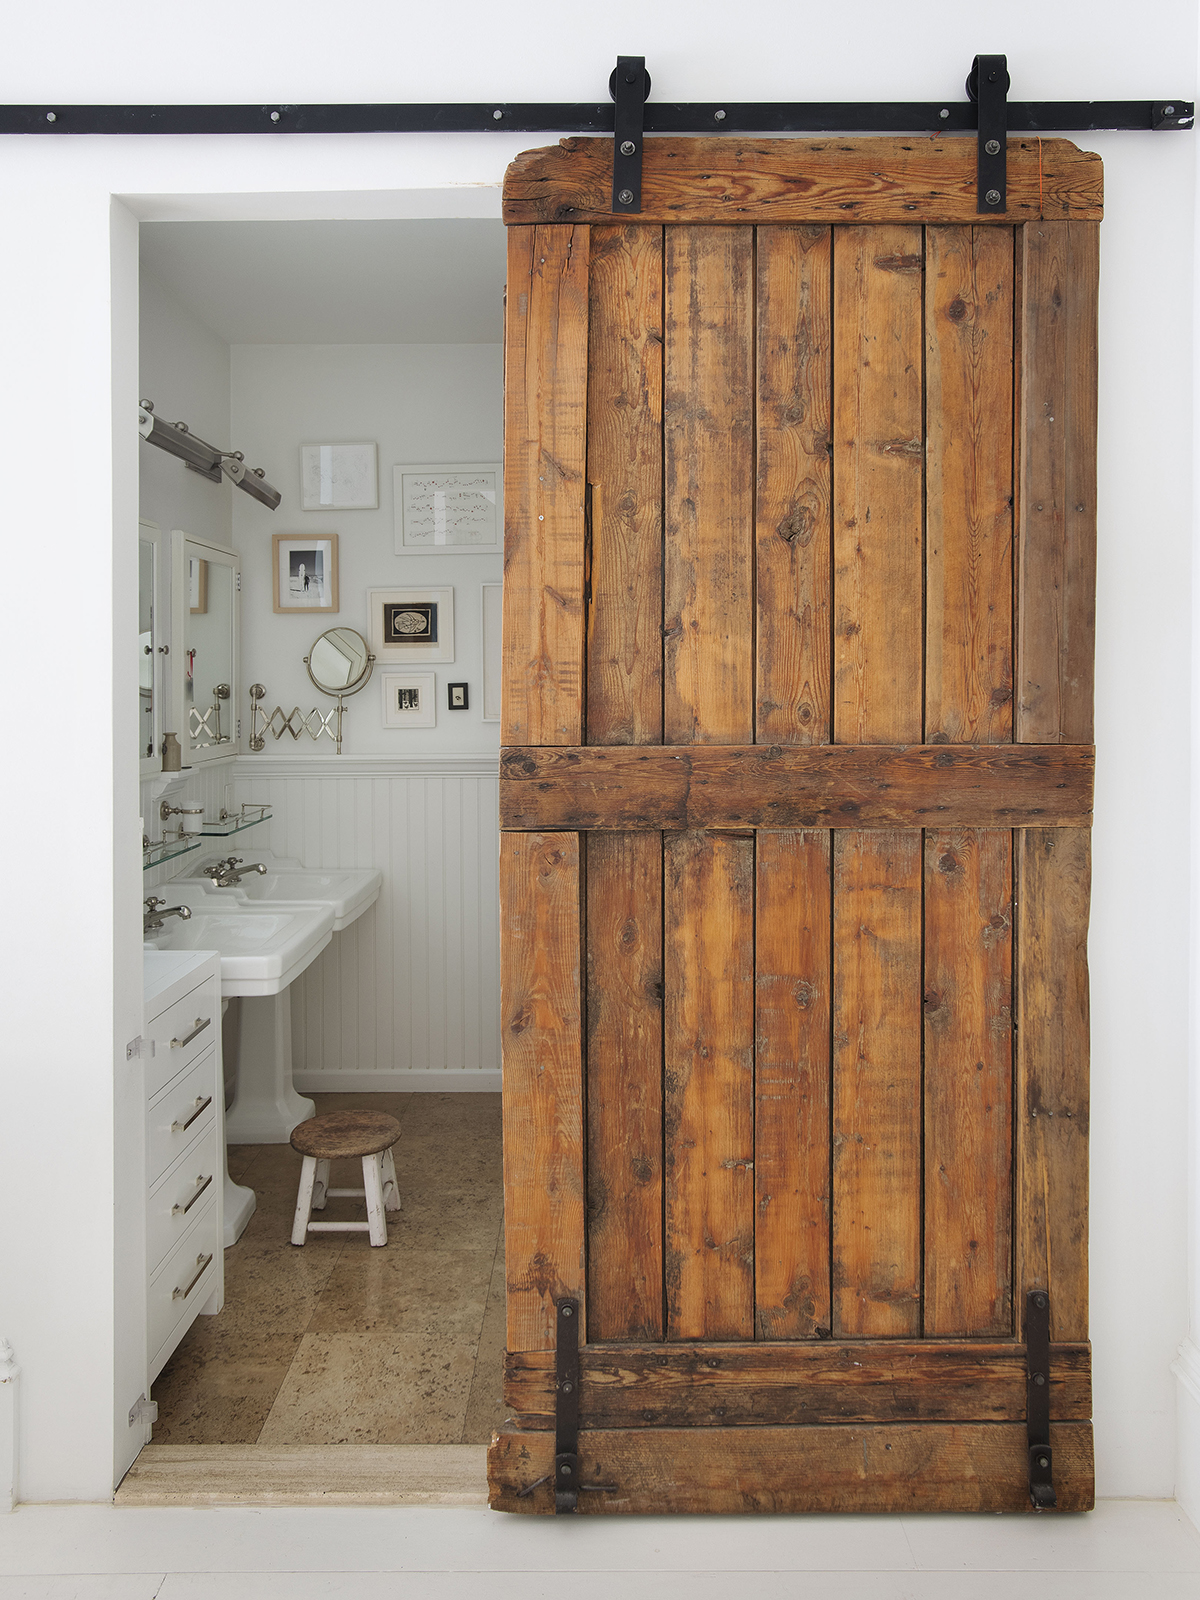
x,y
337,1134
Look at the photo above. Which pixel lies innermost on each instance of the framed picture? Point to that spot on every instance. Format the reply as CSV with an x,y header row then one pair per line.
x,y
493,595
449,510
411,624
409,700
197,586
306,571
339,477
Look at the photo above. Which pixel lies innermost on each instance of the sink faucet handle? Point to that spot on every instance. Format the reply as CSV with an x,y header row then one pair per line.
x,y
153,903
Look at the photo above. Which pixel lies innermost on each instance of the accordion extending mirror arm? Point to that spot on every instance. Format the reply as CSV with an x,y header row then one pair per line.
x,y
344,663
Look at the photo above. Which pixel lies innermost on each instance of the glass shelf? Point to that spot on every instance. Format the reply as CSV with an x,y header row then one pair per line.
x,y
234,824
170,848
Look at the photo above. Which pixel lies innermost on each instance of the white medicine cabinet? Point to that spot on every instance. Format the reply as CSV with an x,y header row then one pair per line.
x,y
205,603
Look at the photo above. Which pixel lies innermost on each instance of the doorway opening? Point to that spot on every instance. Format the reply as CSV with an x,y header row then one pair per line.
x,y
359,365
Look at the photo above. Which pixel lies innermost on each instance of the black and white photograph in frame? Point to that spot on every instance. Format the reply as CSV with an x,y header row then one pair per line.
x,y
410,625
452,509
339,477
409,699
306,571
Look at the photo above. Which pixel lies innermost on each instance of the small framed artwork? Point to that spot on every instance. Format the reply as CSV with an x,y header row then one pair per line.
x,y
306,571
408,700
197,586
339,477
449,510
412,624
493,606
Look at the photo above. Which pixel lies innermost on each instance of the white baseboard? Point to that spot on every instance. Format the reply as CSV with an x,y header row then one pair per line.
x,y
433,1080
1187,1472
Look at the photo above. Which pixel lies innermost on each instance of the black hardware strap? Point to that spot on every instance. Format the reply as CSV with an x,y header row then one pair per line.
x,y
988,87
630,85
1037,1405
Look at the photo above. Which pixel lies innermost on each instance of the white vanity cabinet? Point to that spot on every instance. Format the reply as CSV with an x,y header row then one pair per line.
x,y
185,1147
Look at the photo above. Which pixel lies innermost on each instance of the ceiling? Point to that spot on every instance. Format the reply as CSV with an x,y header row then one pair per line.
x,y
427,282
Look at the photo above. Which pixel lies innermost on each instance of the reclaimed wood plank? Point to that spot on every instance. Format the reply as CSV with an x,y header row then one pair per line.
x,y
968,1082
886,1467
1053,877
545,404
878,457
624,1086
793,534
708,472
801,1384
791,1085
543,1067
751,179
802,786
877,1084
624,470
1056,604
708,897
968,485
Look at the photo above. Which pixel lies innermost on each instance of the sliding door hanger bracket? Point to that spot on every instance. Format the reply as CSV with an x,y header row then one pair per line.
x,y
988,85
629,86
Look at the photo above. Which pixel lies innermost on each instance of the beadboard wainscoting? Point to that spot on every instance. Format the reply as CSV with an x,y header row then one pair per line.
x,y
407,997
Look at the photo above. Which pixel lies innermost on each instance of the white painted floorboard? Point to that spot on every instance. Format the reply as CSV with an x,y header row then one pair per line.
x,y
1125,1550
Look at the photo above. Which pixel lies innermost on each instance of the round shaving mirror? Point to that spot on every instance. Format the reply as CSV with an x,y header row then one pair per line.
x,y
340,662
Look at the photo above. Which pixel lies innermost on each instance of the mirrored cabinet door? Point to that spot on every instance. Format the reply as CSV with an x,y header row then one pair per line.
x,y
205,602
151,646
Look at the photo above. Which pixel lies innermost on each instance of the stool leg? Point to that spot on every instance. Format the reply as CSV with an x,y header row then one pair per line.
x,y
321,1190
391,1190
373,1187
308,1174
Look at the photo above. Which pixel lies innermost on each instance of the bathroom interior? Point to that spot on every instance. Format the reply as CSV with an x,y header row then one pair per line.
x,y
319,728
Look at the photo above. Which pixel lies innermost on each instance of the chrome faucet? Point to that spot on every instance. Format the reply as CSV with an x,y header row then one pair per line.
x,y
155,910
229,873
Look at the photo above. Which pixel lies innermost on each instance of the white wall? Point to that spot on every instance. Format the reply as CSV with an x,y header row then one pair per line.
x,y
62,281
419,403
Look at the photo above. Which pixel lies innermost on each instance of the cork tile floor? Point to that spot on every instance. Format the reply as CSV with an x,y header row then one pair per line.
x,y
340,1343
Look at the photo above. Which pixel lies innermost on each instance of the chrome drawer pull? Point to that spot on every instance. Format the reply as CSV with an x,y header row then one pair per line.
x,y
201,1266
201,1024
182,1211
201,1105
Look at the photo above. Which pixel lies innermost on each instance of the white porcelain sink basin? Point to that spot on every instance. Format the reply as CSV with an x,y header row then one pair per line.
x,y
348,892
261,951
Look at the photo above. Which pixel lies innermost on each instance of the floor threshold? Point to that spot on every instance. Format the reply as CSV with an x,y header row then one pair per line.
x,y
307,1475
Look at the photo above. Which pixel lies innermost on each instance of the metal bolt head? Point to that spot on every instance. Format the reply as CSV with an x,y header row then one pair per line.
x,y
51,116
1168,111
497,116
567,1387
943,114
628,148
274,116
992,197
718,116
567,1311
1039,1379
626,197
992,147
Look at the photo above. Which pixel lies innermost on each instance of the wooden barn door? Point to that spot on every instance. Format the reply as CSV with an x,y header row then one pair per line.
x,y
796,787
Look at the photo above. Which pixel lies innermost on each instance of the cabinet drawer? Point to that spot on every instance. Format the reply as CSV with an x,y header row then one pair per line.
x,y
185,1280
177,1200
181,1033
184,1110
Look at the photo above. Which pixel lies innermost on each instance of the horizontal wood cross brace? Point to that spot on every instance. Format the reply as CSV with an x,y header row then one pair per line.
x,y
631,788
741,179
799,1383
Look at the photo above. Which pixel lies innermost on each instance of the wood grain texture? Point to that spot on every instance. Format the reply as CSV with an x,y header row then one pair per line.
x,y
545,405
721,1385
624,1086
791,1085
1056,604
708,470
878,460
1053,892
708,897
750,179
885,1467
877,1084
543,1095
792,508
968,485
810,786
968,1082
624,469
